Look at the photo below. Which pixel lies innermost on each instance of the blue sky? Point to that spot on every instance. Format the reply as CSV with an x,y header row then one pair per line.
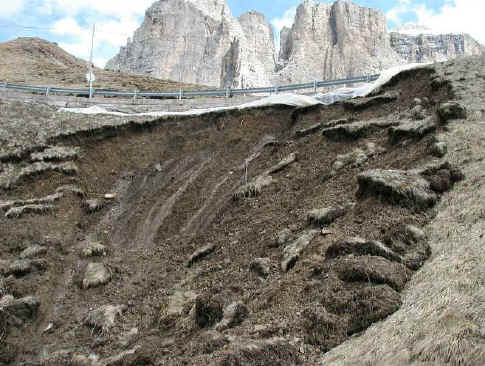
x,y
68,22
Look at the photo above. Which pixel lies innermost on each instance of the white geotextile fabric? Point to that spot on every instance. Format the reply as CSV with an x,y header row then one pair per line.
x,y
294,100
362,91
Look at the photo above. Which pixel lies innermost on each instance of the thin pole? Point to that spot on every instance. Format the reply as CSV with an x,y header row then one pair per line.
x,y
91,64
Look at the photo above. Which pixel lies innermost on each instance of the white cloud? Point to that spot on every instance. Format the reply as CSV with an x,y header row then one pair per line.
x,y
114,8
455,16
10,7
286,20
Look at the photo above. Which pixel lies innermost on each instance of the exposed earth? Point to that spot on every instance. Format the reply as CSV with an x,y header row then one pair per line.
x,y
347,234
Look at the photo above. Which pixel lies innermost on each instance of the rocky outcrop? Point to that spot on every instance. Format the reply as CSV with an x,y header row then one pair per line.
x,y
200,42
430,48
336,40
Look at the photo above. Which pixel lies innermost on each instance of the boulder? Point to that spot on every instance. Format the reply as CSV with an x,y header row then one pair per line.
x,y
93,205
323,329
292,252
282,164
207,310
410,243
19,267
96,275
282,238
438,149
93,249
325,216
452,110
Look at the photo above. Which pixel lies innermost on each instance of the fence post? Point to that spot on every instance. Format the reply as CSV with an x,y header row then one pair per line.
x,y
134,96
315,86
181,94
276,90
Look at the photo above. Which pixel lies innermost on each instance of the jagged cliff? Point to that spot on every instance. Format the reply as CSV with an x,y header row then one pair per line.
x,y
428,47
335,40
200,42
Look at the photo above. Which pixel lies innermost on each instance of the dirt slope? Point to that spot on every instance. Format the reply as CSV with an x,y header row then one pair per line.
x,y
34,61
263,237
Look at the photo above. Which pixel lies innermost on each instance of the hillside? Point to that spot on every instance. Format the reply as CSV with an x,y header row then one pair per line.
x,y
347,233
34,61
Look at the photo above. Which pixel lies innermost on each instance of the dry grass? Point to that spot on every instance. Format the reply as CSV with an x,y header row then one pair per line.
x,y
442,319
34,61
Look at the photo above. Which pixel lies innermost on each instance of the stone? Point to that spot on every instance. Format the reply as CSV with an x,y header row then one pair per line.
x,y
93,205
418,112
325,216
17,212
260,266
452,110
438,149
234,315
359,247
292,252
93,249
103,318
356,130
96,275
405,188
200,254
411,129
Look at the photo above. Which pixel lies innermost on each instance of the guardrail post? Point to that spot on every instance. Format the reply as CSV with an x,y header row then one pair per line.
x,y
5,84
91,92
276,90
181,94
228,93
314,86
368,78
47,91
134,96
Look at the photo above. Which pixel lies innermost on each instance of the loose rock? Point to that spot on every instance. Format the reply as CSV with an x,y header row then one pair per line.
x,y
33,251
103,318
359,247
358,104
93,249
24,309
452,110
207,311
19,268
94,205
292,251
96,275
356,130
325,216
234,314
253,188
438,149
16,212
200,254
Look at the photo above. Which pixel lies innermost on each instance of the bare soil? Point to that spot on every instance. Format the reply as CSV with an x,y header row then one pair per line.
x,y
173,180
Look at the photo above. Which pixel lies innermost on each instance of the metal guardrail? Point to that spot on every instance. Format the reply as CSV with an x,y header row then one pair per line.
x,y
189,93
